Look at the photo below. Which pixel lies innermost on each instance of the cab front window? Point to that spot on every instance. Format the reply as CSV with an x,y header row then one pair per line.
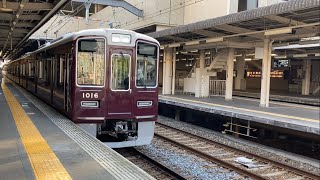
x,y
91,62
147,64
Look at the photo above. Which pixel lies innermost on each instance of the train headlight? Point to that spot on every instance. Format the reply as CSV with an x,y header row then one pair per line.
x,y
144,103
89,104
121,38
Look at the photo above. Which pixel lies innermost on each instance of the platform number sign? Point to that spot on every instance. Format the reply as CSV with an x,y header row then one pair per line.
x,y
90,95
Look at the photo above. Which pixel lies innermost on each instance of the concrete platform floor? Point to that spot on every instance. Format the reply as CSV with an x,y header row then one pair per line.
x,y
283,97
285,115
17,160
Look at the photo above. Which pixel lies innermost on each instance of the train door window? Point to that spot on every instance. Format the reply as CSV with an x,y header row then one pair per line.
x,y
120,71
61,65
23,69
40,69
147,65
91,62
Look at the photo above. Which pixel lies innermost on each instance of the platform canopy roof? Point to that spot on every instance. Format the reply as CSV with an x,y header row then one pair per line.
x,y
286,23
19,19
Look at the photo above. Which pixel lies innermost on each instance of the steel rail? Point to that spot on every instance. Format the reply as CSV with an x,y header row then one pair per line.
x,y
213,159
162,167
274,163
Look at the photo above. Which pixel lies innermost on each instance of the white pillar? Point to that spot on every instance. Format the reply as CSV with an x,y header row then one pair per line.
x,y
167,71
202,59
240,82
307,77
265,75
174,71
229,74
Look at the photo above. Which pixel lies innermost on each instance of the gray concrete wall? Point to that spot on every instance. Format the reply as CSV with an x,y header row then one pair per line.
x,y
262,3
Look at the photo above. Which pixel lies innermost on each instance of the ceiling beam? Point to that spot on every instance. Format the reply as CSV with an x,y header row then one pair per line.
x,y
243,45
177,38
31,17
18,30
238,30
285,21
116,3
6,16
208,33
6,6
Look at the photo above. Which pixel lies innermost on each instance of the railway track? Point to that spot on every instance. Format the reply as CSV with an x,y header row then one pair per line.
x,y
151,166
247,164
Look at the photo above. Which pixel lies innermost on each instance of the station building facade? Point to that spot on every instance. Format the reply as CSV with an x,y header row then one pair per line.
x,y
291,72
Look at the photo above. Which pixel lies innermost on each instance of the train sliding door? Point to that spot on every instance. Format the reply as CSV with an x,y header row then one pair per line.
x,y
120,93
66,82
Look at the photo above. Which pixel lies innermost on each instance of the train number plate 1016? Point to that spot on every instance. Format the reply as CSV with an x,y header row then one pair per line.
x,y
87,95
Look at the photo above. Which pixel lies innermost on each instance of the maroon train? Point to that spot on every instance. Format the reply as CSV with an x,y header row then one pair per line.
x,y
105,80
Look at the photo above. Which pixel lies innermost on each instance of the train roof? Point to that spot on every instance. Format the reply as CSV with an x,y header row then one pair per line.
x,y
94,32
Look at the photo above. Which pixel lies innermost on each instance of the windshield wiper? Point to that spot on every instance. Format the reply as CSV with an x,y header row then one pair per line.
x,y
143,84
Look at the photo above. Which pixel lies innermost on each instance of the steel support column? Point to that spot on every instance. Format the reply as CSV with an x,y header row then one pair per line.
x,y
229,74
307,77
265,75
240,82
167,71
173,86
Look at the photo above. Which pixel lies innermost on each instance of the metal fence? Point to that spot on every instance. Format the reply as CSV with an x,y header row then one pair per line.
x,y
217,87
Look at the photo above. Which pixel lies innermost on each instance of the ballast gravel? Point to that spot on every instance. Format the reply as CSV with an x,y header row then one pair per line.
x,y
254,148
188,165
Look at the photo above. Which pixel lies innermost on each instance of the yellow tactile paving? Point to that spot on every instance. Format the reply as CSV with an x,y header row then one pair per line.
x,y
44,162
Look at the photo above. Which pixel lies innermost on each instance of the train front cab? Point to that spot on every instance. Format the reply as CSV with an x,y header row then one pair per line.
x,y
117,88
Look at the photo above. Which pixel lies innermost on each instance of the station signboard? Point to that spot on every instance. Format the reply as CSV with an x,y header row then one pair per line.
x,y
257,74
280,63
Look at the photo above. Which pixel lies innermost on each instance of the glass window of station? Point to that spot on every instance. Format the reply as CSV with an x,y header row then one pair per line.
x,y
146,68
91,62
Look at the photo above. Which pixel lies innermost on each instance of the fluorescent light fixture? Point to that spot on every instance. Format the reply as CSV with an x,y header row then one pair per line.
x,y
174,45
309,42
280,44
247,59
234,60
278,31
213,40
207,53
192,43
194,51
121,38
237,55
274,54
281,57
184,59
317,54
300,55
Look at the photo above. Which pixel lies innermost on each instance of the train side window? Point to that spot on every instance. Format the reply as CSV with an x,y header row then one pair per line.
x,y
91,62
120,70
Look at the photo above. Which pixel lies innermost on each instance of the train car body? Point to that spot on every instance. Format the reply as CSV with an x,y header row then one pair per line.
x,y
105,80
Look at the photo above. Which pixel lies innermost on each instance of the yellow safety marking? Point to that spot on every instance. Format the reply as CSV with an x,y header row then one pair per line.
x,y
243,109
279,103
44,162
